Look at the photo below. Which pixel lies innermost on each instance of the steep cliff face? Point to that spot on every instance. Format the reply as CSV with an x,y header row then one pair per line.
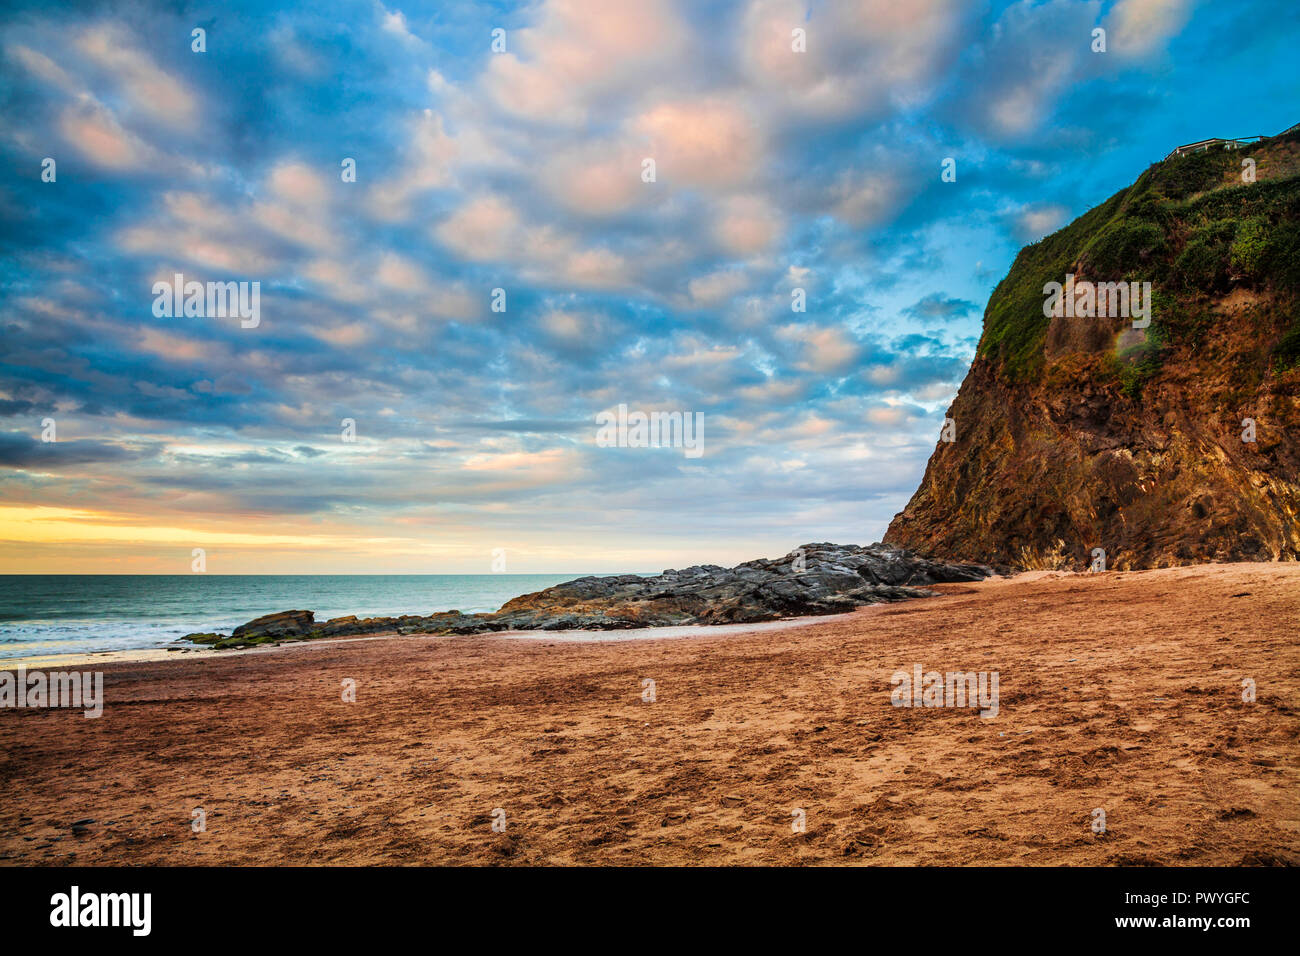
x,y
1073,434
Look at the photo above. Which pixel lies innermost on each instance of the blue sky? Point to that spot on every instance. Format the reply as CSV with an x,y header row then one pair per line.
x,y
522,170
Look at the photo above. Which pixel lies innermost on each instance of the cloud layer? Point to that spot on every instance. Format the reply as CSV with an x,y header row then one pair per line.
x,y
651,187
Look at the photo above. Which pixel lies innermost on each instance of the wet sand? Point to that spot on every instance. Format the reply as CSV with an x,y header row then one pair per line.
x,y
1120,691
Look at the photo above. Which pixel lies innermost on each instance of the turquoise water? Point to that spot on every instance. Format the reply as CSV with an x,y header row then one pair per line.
x,y
80,613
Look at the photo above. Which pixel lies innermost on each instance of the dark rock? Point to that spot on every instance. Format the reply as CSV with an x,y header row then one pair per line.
x,y
826,579
815,579
203,638
280,624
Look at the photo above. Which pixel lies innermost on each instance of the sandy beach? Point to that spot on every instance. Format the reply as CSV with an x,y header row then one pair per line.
x,y
1120,692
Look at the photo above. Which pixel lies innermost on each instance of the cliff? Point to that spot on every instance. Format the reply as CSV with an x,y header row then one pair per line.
x,y
1081,433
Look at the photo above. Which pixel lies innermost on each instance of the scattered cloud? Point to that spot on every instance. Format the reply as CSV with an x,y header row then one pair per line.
x,y
796,145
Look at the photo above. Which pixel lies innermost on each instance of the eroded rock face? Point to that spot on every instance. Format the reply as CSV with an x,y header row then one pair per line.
x,y
279,624
1080,438
815,579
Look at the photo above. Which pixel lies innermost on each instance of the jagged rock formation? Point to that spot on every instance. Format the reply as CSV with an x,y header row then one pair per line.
x,y
831,579
280,624
814,579
1080,433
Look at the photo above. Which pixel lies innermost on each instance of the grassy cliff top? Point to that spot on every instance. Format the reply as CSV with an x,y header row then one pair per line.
x,y
1190,227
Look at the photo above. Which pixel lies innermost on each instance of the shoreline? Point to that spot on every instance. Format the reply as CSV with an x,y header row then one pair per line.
x,y
199,652
183,651
763,593
174,650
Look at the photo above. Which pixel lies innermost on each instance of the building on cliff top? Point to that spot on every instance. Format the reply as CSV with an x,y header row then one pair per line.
x,y
1203,145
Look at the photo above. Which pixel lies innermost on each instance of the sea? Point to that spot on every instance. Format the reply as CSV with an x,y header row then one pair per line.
x,y
44,614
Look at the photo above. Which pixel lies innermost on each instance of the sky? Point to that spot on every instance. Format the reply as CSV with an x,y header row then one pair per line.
x,y
522,168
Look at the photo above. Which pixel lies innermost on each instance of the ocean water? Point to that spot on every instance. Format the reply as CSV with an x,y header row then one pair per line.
x,y
81,613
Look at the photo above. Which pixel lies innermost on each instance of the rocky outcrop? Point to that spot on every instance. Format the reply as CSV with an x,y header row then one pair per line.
x,y
280,624
815,579
1075,437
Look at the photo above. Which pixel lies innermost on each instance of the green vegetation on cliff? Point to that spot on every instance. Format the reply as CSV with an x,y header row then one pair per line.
x,y
1191,228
